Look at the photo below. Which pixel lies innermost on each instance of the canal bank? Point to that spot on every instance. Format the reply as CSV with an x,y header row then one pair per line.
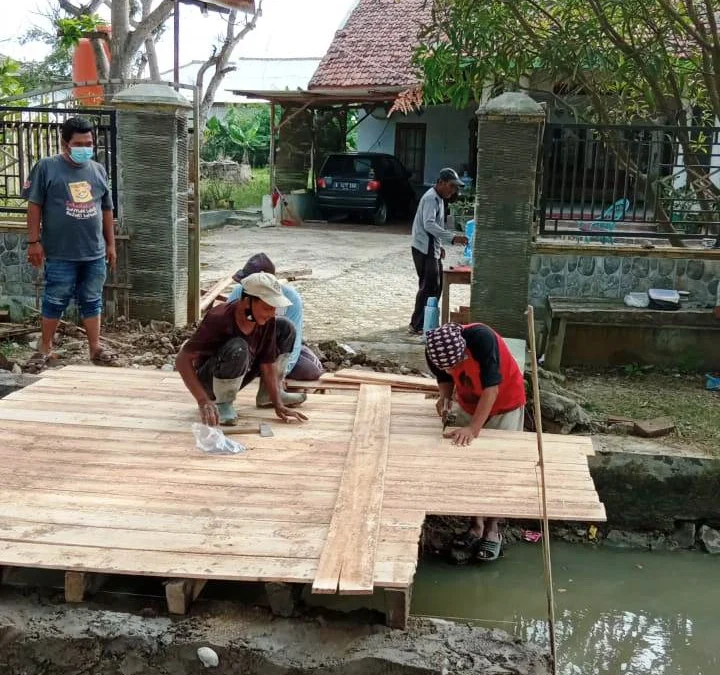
x,y
40,637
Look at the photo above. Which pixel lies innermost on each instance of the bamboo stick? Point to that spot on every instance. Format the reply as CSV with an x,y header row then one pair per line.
x,y
545,522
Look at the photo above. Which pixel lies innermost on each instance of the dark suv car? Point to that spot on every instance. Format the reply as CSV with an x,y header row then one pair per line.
x,y
369,184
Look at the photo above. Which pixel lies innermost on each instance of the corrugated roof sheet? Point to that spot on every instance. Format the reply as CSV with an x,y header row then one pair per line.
x,y
375,46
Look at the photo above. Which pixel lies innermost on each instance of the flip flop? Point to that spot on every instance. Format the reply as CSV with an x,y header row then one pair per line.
x,y
37,363
488,551
468,540
104,357
532,536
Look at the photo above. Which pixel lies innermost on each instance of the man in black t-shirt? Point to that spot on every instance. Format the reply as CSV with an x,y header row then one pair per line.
x,y
236,342
474,366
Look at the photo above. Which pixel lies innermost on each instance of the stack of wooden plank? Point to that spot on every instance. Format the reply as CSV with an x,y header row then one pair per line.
x,y
353,379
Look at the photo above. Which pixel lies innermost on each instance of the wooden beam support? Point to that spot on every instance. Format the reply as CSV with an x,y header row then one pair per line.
x,y
283,598
181,593
397,607
80,584
6,575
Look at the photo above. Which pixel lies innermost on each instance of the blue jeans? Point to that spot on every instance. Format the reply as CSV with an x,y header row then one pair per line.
x,y
79,279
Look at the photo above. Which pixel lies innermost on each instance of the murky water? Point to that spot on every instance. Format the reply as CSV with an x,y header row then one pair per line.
x,y
617,612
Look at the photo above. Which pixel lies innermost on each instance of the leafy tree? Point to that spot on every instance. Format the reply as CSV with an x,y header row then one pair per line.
x,y
10,77
241,132
136,27
624,60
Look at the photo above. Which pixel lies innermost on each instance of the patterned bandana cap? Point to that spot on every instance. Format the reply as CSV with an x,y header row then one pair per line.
x,y
446,345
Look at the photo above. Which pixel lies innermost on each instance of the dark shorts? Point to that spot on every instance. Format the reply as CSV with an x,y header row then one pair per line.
x,y
234,360
68,279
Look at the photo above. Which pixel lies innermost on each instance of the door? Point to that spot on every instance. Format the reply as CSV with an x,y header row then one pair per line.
x,y
410,149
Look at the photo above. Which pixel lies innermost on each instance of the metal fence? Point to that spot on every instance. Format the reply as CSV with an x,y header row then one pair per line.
x,y
28,134
629,181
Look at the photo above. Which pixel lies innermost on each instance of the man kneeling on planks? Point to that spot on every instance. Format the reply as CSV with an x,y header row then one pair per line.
x,y
475,364
236,342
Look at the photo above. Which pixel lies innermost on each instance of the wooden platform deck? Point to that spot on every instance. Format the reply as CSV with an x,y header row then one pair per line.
x,y
99,473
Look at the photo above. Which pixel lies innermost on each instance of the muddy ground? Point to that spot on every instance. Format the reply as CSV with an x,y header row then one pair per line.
x,y
40,637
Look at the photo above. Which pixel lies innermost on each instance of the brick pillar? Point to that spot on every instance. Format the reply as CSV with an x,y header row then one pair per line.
x,y
509,136
152,126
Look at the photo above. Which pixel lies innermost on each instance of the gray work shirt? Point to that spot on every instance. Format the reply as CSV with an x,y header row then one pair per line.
x,y
72,198
429,225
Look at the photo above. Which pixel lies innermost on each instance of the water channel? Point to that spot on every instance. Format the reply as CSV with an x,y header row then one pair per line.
x,y
618,612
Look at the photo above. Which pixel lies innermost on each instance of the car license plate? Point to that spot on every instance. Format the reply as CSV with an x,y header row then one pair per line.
x,y
344,185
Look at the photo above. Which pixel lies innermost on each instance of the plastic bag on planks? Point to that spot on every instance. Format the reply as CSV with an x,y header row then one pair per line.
x,y
213,441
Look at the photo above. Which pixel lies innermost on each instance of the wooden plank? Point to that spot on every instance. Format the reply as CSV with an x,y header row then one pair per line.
x,y
155,491
413,382
150,563
410,382
117,538
181,593
369,446
207,300
147,563
171,478
124,506
356,516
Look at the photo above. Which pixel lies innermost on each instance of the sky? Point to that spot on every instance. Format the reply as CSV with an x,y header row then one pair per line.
x,y
287,28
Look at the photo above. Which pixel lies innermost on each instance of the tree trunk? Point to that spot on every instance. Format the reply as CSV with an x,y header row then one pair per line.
x,y
120,20
152,59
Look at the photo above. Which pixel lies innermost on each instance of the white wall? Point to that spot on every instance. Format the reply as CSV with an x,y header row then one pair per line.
x,y
447,136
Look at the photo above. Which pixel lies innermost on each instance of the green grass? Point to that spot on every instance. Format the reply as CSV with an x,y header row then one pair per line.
x,y
640,395
222,195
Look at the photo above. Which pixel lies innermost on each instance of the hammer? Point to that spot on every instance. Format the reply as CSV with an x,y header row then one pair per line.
x,y
262,428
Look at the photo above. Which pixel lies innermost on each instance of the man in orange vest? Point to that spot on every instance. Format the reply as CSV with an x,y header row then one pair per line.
x,y
474,365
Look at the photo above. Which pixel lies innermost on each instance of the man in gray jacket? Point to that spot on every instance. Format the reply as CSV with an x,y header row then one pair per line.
x,y
428,236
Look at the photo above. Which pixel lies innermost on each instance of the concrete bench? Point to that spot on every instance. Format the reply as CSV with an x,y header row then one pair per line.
x,y
607,332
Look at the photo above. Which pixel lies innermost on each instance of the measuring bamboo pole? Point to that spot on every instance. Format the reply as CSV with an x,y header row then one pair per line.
x,y
541,463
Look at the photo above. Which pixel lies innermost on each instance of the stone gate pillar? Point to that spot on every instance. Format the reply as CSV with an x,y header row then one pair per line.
x,y
509,137
152,124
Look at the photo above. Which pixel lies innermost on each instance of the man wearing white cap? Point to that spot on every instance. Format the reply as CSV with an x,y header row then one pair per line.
x,y
235,343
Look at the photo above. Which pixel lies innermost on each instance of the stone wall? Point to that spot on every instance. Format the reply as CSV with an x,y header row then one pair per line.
x,y
596,276
17,276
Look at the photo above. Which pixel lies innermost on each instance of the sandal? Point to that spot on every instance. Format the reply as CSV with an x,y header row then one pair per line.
x,y
468,540
37,363
104,357
489,550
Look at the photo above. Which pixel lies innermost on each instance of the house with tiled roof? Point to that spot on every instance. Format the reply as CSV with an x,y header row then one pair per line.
x,y
371,55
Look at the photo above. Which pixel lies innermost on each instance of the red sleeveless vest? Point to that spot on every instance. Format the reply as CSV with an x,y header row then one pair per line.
x,y
468,385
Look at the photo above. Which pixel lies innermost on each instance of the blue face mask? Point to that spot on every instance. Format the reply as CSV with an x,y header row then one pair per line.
x,y
81,155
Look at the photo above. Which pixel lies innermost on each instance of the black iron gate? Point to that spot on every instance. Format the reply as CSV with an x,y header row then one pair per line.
x,y
629,181
28,134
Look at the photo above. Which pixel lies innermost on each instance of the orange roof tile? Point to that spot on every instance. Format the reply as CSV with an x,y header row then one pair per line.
x,y
375,46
